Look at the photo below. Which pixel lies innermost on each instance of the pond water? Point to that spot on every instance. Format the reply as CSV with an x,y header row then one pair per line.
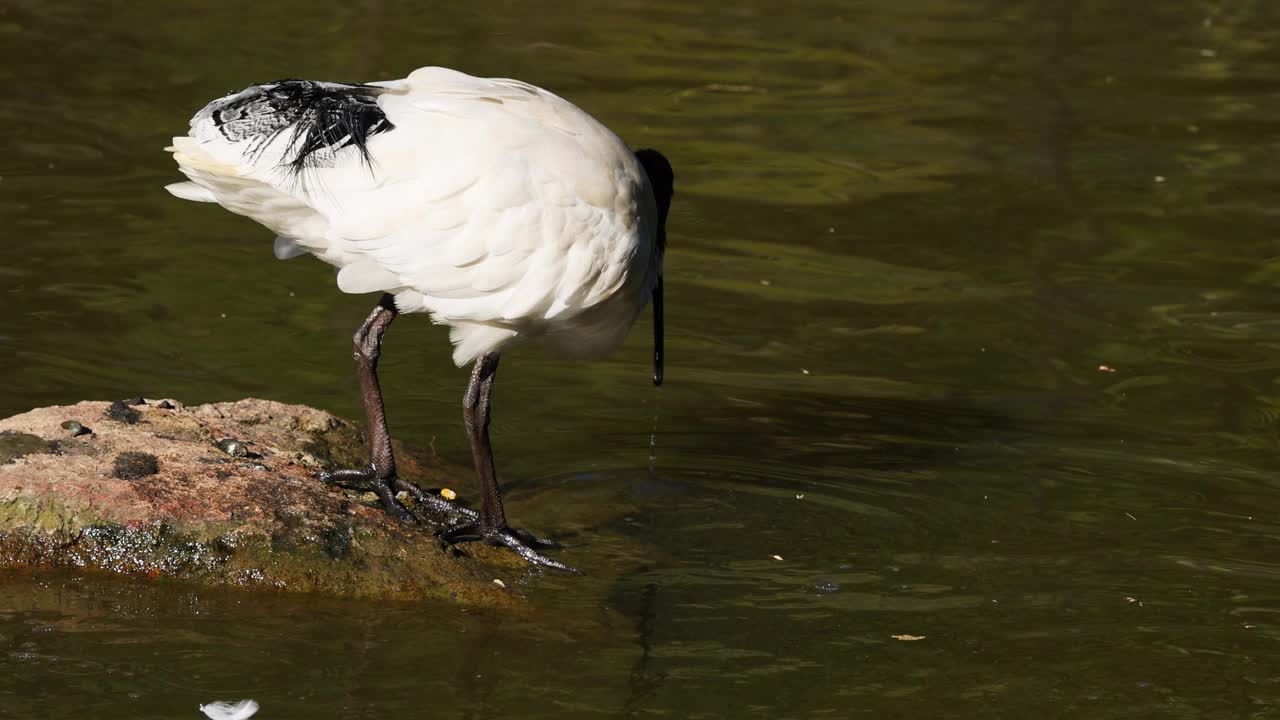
x,y
972,320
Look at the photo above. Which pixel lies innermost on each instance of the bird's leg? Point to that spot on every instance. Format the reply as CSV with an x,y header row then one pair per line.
x,y
475,415
492,524
366,348
381,472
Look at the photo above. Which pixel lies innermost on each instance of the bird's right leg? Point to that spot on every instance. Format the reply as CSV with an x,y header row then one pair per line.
x,y
381,471
366,348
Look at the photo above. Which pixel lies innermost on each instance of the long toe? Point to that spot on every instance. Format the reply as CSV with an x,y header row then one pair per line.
x,y
351,478
520,541
453,513
508,538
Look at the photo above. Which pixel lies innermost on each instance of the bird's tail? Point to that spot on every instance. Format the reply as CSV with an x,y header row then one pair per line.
x,y
198,164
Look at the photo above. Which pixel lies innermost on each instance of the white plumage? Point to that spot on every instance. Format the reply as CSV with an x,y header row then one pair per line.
x,y
499,208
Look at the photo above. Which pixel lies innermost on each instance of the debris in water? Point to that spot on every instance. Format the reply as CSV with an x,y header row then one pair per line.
x,y
799,496
776,557
827,586
1106,369
908,638
223,710
499,583
1130,516
448,494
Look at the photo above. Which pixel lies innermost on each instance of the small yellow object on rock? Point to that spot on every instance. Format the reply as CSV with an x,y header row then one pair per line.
x,y
448,494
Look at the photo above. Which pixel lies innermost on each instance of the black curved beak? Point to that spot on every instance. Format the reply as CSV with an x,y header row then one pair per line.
x,y
657,333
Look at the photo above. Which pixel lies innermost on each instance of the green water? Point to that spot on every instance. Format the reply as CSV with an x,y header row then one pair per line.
x,y
907,237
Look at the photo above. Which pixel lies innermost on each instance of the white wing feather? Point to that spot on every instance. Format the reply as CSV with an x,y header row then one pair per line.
x,y
191,191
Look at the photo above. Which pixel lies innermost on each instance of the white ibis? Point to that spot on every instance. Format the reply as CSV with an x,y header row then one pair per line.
x,y
494,206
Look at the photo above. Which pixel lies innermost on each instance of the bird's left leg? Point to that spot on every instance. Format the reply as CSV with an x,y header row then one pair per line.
x,y
492,523
381,471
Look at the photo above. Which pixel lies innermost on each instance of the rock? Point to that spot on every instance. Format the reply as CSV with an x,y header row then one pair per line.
x,y
223,494
121,412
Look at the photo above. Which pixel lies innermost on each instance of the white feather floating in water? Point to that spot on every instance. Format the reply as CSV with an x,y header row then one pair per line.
x,y
223,710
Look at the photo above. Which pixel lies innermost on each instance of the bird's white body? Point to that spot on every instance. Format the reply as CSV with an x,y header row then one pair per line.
x,y
502,210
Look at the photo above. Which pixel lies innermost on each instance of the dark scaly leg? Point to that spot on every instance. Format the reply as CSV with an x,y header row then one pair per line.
x,y
492,524
381,472
475,415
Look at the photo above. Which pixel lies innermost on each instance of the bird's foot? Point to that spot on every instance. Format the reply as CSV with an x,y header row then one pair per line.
x,y
521,542
367,478
460,524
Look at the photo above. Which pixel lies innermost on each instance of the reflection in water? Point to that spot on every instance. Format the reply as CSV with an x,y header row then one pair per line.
x,y
907,236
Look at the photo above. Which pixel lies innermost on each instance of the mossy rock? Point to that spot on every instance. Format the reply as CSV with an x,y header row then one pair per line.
x,y
160,498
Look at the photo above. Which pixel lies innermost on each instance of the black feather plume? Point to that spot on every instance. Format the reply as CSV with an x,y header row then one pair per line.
x,y
321,119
